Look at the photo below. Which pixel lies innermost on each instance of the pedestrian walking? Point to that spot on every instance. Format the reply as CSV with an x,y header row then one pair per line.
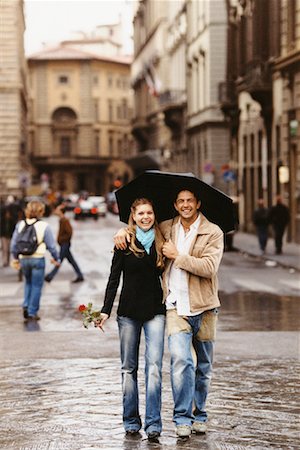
x,y
261,222
33,265
10,212
140,308
193,248
279,218
64,240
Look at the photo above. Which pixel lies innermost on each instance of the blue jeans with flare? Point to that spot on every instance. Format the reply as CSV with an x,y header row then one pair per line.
x,y
130,334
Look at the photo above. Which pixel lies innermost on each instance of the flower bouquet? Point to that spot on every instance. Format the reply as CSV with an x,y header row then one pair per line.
x,y
88,315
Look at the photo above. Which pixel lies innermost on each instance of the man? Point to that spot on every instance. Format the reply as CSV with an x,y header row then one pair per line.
x,y
261,221
193,248
64,240
279,218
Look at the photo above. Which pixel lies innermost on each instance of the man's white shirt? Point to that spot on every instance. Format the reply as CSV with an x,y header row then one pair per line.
x,y
178,296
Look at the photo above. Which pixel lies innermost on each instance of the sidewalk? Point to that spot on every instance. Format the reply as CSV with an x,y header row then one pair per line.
x,y
248,243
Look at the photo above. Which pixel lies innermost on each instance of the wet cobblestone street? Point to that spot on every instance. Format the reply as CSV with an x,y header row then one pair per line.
x,y
60,384
76,404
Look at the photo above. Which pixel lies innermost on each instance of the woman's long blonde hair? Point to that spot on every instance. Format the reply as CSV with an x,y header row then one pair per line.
x,y
159,240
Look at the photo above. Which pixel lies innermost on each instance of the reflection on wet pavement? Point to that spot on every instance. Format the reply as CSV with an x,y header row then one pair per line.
x,y
60,384
255,311
76,404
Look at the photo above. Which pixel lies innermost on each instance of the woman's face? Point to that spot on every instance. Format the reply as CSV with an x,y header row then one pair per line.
x,y
144,216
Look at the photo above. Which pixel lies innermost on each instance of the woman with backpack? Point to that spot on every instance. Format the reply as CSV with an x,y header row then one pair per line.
x,y
30,240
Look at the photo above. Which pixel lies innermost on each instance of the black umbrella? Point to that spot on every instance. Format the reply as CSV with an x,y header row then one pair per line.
x,y
163,187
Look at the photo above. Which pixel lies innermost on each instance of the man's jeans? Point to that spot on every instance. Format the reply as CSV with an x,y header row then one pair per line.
x,y
191,379
262,232
130,334
65,252
34,271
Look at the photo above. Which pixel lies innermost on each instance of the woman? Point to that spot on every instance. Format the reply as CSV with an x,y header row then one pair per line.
x,y
33,266
140,307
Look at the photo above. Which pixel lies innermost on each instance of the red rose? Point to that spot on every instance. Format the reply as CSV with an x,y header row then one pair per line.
x,y
82,308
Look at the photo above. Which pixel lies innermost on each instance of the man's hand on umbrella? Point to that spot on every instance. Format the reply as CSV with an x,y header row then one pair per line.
x,y
121,238
169,250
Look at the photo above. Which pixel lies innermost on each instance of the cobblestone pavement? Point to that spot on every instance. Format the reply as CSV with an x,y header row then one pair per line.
x,y
60,384
60,388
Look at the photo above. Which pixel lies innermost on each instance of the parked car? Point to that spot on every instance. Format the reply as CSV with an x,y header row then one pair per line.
x,y
71,201
85,208
99,202
112,204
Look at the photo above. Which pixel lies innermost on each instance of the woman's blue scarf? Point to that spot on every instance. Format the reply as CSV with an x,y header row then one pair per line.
x,y
146,238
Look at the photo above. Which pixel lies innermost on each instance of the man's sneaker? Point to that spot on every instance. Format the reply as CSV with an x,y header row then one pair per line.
x,y
153,436
48,279
25,312
183,430
199,427
135,434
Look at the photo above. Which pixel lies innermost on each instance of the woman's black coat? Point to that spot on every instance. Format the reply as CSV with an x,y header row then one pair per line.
x,y
141,295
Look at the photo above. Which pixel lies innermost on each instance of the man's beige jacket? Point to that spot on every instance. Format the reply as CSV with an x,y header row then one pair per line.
x,y
201,264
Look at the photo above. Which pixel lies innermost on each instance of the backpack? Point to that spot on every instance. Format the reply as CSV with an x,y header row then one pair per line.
x,y
27,242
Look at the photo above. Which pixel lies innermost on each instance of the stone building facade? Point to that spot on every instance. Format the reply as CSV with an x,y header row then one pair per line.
x,y
15,167
79,122
286,117
179,62
207,131
260,100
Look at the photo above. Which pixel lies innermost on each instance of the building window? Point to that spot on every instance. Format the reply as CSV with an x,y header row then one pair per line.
x,y
291,23
95,80
109,80
119,147
124,108
96,109
119,112
111,145
63,79
110,111
252,148
65,146
97,143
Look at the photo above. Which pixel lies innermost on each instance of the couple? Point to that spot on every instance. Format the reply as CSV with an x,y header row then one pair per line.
x,y
187,252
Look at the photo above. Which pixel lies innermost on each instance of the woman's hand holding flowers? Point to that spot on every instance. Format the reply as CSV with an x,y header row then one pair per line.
x,y
101,320
89,316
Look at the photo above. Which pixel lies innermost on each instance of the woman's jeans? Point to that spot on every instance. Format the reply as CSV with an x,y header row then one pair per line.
x,y
191,342
65,252
130,334
34,271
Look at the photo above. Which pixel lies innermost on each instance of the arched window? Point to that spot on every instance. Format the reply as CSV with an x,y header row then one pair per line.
x,y
64,121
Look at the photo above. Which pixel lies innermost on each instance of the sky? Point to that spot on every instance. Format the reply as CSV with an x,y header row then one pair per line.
x,y
51,21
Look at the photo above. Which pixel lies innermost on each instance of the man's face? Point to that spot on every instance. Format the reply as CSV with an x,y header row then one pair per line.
x,y
187,205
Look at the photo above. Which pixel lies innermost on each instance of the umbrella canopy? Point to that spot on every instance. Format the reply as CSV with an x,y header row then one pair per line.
x,y
163,187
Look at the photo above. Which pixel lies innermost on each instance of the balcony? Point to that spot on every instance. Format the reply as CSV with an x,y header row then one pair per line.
x,y
173,103
229,103
68,161
257,80
140,129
